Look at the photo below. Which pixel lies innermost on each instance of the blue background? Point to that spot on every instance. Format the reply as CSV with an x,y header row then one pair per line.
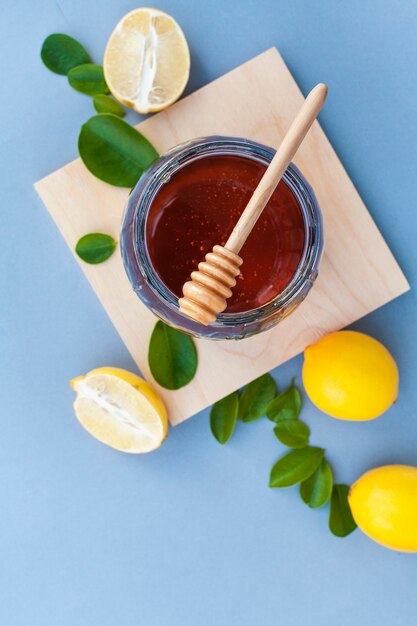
x,y
191,534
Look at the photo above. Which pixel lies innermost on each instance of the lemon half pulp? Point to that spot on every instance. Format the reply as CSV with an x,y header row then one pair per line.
x,y
120,409
147,60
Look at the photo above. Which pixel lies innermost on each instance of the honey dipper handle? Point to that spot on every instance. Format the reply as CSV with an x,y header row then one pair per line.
x,y
275,171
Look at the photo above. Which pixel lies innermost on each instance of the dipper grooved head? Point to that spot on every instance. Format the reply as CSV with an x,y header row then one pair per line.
x,y
206,293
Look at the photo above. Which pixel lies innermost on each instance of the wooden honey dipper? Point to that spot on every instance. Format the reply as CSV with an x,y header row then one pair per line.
x,y
206,293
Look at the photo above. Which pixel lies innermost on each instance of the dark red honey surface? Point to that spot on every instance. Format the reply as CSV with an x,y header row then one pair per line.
x,y
199,207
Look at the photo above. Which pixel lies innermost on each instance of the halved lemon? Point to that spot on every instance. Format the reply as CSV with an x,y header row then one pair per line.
x,y
147,60
120,409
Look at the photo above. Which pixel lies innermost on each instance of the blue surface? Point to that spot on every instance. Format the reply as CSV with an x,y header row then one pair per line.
x,y
191,535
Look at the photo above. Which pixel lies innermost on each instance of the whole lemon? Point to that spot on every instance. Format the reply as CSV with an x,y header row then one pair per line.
x,y
384,506
350,376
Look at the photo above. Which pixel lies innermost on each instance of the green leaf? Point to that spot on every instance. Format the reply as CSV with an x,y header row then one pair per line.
x,y
316,490
295,466
105,104
223,417
292,433
256,397
114,151
286,406
95,247
341,521
60,53
172,357
88,78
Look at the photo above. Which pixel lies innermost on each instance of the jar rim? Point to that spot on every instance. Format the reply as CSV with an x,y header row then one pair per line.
x,y
153,290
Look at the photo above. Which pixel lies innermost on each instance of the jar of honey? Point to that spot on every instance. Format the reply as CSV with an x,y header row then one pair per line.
x,y
188,201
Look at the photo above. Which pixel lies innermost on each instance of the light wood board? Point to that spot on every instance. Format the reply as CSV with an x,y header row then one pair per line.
x,y
358,272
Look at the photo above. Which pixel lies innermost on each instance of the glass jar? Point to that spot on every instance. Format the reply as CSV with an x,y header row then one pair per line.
x,y
155,294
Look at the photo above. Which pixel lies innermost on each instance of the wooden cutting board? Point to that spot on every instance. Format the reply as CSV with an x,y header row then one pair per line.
x,y
358,273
